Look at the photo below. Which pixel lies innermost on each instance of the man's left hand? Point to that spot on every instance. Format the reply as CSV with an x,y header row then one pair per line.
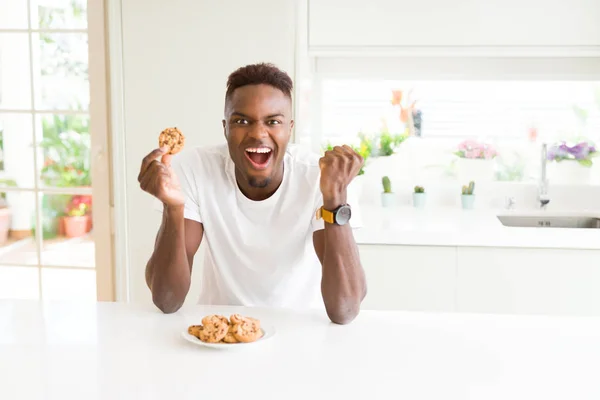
x,y
338,167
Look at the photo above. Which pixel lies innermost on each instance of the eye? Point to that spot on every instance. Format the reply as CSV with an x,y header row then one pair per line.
x,y
273,122
240,121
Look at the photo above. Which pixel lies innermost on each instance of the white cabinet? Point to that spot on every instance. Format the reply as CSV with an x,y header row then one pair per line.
x,y
528,281
482,279
380,23
409,277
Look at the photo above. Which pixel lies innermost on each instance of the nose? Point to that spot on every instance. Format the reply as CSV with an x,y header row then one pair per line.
x,y
258,131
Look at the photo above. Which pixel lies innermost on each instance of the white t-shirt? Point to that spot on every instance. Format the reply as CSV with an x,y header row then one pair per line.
x,y
259,253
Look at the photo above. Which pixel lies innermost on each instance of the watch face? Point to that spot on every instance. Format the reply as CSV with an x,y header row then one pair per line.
x,y
343,215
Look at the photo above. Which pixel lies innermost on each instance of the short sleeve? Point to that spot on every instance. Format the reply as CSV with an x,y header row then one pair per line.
x,y
356,218
189,187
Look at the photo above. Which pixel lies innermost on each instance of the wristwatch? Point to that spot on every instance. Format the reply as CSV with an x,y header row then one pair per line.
x,y
339,216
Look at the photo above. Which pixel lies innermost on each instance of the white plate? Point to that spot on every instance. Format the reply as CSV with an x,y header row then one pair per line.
x,y
268,332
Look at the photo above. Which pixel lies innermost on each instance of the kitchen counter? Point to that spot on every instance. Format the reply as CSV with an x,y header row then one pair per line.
x,y
457,227
119,351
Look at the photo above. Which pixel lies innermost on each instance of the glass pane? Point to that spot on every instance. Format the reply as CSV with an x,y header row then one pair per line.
x,y
16,151
17,222
64,150
67,222
58,14
15,73
68,284
13,14
61,72
19,283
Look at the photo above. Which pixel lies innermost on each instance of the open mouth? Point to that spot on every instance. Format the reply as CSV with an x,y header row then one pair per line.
x,y
259,157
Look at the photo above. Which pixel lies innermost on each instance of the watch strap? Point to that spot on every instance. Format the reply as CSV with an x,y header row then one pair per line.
x,y
328,216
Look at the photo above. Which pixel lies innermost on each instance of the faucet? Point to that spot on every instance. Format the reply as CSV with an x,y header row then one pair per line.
x,y
543,196
510,203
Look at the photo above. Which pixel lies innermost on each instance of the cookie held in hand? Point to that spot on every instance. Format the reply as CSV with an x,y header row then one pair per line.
x,y
173,138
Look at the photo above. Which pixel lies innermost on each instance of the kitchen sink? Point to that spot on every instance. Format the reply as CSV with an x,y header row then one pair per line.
x,y
549,221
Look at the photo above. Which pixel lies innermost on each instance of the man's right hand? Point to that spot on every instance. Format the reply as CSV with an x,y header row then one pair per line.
x,y
158,179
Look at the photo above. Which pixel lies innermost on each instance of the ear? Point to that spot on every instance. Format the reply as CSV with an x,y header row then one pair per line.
x,y
224,130
291,127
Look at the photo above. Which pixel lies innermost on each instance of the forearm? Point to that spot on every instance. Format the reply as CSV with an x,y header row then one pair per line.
x,y
343,285
168,272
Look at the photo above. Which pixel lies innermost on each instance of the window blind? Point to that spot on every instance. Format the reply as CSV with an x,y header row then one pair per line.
x,y
490,110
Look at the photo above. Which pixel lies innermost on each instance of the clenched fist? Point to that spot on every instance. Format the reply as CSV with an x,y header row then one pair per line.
x,y
158,179
338,167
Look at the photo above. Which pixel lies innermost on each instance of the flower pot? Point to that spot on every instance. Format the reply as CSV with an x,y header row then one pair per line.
x,y
468,201
76,226
4,224
569,172
419,200
474,169
387,200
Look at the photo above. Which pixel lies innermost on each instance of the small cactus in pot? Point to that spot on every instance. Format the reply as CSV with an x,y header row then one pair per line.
x,y
387,197
419,197
468,196
469,189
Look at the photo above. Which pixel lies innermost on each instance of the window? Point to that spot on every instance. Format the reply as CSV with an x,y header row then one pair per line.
x,y
47,131
512,118
489,110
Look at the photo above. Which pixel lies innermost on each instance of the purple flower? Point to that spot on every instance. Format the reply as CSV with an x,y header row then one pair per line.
x,y
558,152
579,151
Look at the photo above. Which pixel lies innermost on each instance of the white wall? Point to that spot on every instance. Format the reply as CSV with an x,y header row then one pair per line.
x,y
176,58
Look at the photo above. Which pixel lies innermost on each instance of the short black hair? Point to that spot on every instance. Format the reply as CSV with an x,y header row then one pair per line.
x,y
257,74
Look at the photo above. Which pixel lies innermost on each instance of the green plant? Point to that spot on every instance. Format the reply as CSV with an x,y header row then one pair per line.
x,y
583,114
78,211
66,146
469,190
419,189
5,182
366,144
387,184
511,169
388,143
364,149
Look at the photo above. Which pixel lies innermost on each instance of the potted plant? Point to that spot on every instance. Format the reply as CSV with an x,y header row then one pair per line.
x,y
419,197
468,196
4,219
387,197
5,213
475,160
77,220
571,164
67,145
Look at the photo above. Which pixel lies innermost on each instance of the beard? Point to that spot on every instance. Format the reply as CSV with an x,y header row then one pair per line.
x,y
259,183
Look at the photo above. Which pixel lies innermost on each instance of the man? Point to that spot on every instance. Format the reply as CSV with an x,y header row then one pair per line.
x,y
261,205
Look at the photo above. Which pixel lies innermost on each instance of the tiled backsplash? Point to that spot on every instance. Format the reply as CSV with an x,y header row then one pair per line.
x,y
490,195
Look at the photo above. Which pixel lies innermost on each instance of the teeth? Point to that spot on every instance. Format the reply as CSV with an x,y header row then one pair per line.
x,y
259,150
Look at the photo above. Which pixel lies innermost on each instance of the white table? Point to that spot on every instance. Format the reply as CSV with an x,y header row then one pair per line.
x,y
118,351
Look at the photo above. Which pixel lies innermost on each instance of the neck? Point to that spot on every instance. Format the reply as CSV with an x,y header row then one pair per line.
x,y
256,193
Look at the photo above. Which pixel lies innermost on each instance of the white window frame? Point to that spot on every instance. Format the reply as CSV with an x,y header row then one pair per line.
x,y
100,154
